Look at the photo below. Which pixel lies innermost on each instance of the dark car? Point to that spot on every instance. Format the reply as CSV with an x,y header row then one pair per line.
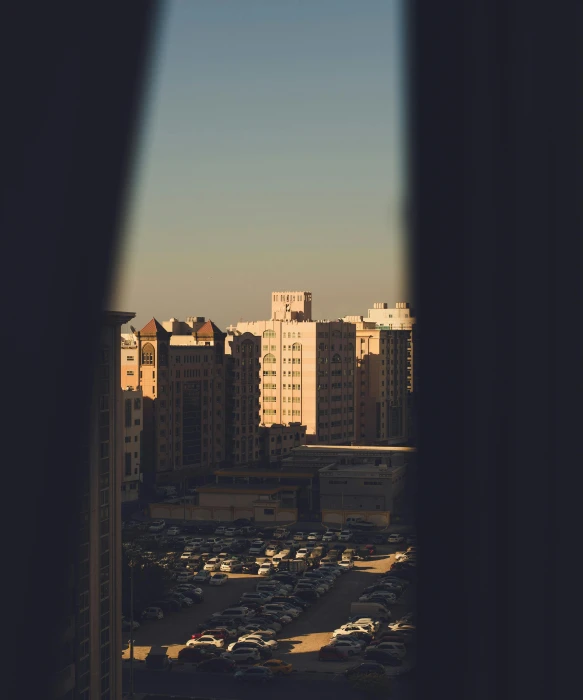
x,y
196,654
252,605
378,539
307,594
339,547
202,577
368,668
292,600
285,578
167,605
382,657
371,548
255,674
250,568
218,665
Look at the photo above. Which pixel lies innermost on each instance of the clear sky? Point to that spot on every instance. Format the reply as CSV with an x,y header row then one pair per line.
x,y
271,157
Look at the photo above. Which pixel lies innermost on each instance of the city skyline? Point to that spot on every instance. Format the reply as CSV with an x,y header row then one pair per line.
x,y
270,157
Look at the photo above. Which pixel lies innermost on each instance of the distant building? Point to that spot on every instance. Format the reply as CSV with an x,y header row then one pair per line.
x,y
361,490
179,366
399,318
133,421
91,638
382,384
242,381
307,369
276,441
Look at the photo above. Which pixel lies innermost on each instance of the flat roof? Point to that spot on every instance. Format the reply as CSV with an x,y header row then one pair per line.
x,y
352,448
380,469
268,489
279,475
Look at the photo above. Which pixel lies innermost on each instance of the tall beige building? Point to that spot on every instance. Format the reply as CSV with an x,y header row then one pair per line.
x,y
381,383
399,318
242,369
307,369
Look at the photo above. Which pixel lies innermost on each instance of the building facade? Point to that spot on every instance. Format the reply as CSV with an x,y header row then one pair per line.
x,y
400,318
381,383
242,381
92,642
179,367
307,369
276,441
361,490
133,419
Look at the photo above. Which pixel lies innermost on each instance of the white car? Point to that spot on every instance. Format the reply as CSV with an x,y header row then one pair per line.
x,y
346,564
232,531
299,536
302,553
345,536
157,526
367,622
207,639
356,644
314,537
218,579
152,614
260,598
185,556
213,564
245,654
328,537
276,608
231,566
173,531
220,530
272,550
265,569
261,639
395,538
349,629
257,629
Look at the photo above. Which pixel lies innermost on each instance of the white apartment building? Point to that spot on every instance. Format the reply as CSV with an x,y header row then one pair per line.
x,y
307,369
399,318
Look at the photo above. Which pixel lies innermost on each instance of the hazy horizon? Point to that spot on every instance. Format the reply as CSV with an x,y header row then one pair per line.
x,y
271,157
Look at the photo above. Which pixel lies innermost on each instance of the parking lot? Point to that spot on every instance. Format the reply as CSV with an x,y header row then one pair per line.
x,y
300,641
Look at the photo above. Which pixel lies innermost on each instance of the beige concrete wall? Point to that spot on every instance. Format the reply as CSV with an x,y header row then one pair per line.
x,y
338,517
178,512
222,500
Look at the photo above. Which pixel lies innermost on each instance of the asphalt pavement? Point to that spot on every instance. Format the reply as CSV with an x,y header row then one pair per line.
x,y
316,687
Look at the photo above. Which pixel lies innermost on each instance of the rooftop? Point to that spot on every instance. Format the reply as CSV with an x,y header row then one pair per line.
x,y
258,473
264,489
380,470
351,448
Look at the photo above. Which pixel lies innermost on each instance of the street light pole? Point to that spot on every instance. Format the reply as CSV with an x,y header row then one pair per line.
x,y
132,629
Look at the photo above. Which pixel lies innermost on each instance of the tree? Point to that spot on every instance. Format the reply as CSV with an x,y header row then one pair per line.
x,y
150,581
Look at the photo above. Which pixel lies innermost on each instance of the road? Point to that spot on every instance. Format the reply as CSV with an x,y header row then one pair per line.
x,y
320,687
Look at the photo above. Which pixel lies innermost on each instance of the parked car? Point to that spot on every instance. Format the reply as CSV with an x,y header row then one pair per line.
x,y
345,536
278,667
329,536
382,657
153,613
395,538
255,674
257,597
231,566
218,579
202,577
213,564
353,646
368,668
218,665
207,639
250,568
332,653
261,638
243,655
193,654
299,537
157,526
